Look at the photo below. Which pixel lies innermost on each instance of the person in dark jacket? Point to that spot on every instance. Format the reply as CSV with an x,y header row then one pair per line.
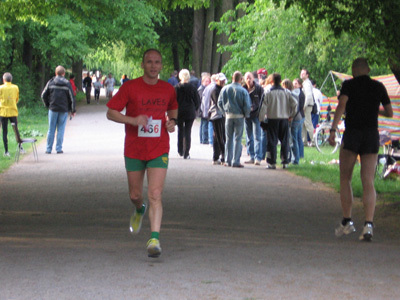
x,y
58,97
87,83
218,121
252,124
189,102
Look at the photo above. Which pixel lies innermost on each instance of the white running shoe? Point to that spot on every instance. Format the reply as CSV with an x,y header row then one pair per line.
x,y
367,233
346,229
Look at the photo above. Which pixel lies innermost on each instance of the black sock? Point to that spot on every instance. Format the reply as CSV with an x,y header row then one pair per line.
x,y
345,221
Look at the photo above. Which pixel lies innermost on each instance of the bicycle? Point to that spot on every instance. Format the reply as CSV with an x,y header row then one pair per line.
x,y
322,134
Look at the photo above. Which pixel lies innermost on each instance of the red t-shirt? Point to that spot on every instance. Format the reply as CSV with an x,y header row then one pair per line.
x,y
140,98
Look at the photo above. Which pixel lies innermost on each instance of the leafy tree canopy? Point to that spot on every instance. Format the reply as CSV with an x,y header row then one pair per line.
x,y
377,22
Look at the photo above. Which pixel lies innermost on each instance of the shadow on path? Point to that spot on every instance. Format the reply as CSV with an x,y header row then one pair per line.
x,y
227,233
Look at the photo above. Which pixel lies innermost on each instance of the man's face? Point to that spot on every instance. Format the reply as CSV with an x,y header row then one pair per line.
x,y
221,82
206,81
303,74
249,79
152,65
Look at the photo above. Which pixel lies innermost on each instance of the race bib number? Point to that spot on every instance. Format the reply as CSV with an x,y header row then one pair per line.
x,y
152,130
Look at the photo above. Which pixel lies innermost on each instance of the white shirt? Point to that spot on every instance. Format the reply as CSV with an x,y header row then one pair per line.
x,y
318,98
308,92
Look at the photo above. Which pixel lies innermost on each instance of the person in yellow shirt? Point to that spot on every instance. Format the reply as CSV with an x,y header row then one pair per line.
x,y
9,96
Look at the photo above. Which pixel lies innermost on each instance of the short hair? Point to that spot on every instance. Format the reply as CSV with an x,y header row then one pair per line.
x,y
308,73
299,81
184,75
237,76
72,76
203,74
193,72
277,78
150,50
7,77
249,74
360,62
287,83
60,71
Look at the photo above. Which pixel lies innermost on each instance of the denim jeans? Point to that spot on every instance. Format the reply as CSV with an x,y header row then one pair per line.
x,y
264,142
253,138
315,120
57,120
233,145
210,133
297,138
204,123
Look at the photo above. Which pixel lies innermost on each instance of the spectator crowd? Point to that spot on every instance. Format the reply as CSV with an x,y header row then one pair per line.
x,y
268,109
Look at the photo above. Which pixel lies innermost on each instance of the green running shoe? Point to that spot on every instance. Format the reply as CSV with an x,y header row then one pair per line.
x,y
153,248
136,220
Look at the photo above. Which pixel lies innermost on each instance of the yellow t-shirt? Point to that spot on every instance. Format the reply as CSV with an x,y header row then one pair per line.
x,y
9,96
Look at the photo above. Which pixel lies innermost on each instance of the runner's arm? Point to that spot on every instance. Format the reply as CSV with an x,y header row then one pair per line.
x,y
171,120
387,112
340,109
117,117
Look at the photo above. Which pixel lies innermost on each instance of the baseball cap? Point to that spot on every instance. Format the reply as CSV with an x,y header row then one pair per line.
x,y
221,77
262,71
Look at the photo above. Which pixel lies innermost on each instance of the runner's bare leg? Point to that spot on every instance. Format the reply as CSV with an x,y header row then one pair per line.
x,y
347,160
135,183
368,166
156,178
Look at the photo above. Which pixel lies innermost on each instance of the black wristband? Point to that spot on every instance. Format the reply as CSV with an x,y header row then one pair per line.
x,y
332,130
175,120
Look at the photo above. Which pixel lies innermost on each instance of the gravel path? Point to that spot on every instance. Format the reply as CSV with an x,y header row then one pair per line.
x,y
227,233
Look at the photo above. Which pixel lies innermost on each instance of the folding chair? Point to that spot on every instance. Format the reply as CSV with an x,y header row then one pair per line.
x,y
20,141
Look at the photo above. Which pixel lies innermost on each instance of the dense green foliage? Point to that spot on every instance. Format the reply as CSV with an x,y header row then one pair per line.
x,y
282,42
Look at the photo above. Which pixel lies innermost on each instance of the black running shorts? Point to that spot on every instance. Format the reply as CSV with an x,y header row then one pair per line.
x,y
361,141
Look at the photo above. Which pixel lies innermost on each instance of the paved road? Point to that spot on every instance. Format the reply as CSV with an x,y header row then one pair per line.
x,y
227,233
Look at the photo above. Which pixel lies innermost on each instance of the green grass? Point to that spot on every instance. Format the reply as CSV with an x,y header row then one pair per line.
x,y
316,167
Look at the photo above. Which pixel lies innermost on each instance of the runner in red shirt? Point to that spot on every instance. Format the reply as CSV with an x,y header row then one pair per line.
x,y
151,111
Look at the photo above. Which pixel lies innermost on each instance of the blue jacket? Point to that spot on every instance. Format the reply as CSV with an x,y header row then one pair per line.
x,y
234,101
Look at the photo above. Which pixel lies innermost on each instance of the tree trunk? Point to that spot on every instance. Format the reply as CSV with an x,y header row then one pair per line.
x,y
27,55
395,67
175,57
208,39
197,40
226,5
216,60
41,73
241,12
77,67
